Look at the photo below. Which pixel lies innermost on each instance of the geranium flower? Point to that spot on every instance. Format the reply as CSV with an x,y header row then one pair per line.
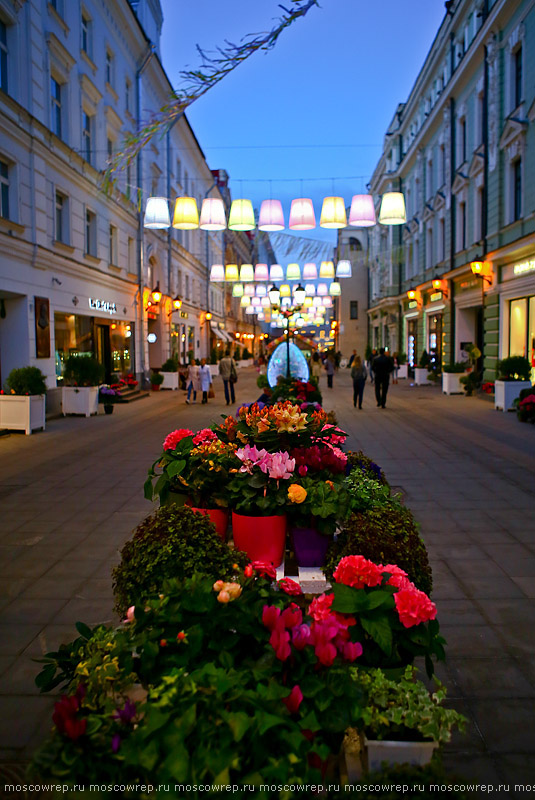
x,y
358,572
282,466
351,650
320,607
294,700
290,587
398,576
173,438
414,607
265,569
204,436
296,493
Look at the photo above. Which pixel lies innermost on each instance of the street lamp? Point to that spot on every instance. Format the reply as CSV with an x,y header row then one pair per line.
x,y
287,311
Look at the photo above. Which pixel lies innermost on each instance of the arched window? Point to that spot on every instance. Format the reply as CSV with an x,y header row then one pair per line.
x,y
354,244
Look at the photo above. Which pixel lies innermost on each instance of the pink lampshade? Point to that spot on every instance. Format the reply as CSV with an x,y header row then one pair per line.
x,y
248,289
310,272
255,301
271,217
327,302
264,302
217,272
276,272
261,291
322,290
261,272
212,215
302,217
362,212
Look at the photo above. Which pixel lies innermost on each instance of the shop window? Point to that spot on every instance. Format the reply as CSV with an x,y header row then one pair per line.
x,y
56,116
90,233
87,37
112,245
87,136
518,327
4,189
61,232
353,309
4,52
516,174
73,336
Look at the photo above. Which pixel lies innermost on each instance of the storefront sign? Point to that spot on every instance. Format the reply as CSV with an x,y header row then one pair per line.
x,y
102,305
436,296
525,266
42,327
413,304
184,314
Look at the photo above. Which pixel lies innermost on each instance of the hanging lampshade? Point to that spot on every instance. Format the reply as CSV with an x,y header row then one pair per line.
x,y
286,301
245,301
333,213
241,217
285,290
261,291
343,269
260,316
310,272
274,296
392,209
327,270
310,289
249,289
300,322
237,290
250,310
271,217
293,272
255,301
231,273
322,290
316,301
320,309
276,273
299,295
156,213
334,289
186,216
318,321
362,211
212,215
217,272
264,302
246,273
261,272
327,302
302,216
308,302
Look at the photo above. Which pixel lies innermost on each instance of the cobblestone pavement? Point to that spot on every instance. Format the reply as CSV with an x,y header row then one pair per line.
x,y
70,497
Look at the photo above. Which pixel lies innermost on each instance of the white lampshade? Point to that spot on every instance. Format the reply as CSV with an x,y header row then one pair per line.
x,y
286,301
241,217
276,272
255,301
302,217
265,302
186,215
260,316
327,270
334,289
392,209
322,290
212,215
293,272
261,272
333,213
231,273
271,217
157,213
249,289
217,272
310,289
300,322
317,301
250,309
343,269
261,291
362,211
299,295
237,290
246,273
310,272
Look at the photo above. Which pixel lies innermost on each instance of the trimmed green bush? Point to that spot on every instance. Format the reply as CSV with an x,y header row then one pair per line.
x,y
456,367
156,379
174,542
387,535
171,365
83,371
26,380
514,368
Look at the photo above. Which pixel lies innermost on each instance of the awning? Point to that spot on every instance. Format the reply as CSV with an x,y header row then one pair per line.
x,y
217,331
227,336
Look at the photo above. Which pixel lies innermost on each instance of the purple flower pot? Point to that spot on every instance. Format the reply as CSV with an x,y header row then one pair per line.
x,y
310,547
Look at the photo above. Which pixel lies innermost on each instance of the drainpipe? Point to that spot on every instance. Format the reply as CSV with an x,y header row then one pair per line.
x,y
207,256
452,172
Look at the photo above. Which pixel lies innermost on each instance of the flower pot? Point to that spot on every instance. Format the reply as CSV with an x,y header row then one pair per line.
x,y
170,380
219,516
420,376
155,387
108,408
262,538
310,547
451,382
79,400
22,412
394,752
506,392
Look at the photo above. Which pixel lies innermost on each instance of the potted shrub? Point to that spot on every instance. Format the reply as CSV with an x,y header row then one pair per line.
x,y
512,375
108,397
156,380
451,375
422,370
169,372
22,404
401,721
403,367
81,378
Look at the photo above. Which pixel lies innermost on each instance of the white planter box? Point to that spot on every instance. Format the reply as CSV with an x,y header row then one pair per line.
x,y
451,383
22,412
79,400
170,380
403,371
417,753
214,370
505,392
247,363
420,376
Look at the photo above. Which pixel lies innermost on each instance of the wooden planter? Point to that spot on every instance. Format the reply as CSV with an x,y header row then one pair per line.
x,y
22,412
420,376
79,400
170,380
451,382
403,371
506,392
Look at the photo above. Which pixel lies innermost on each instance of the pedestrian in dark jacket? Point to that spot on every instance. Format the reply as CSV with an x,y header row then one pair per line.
x,y
383,366
370,364
359,374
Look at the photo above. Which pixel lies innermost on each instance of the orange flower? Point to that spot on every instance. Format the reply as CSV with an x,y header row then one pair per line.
x,y
296,494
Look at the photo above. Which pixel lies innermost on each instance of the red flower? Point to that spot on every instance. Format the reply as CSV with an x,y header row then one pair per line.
x,y
398,577
265,570
414,607
65,719
351,650
326,653
280,642
320,607
294,700
173,438
290,587
300,636
270,617
204,436
358,572
248,571
291,616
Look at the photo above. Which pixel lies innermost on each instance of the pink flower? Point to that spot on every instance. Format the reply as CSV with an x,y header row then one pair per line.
x,y
320,607
204,436
326,653
264,569
290,587
173,438
270,617
351,650
130,614
300,636
282,466
294,700
292,616
252,457
398,577
414,607
303,469
280,642
358,572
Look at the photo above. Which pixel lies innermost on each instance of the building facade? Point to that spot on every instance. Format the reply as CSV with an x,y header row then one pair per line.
x,y
351,307
462,148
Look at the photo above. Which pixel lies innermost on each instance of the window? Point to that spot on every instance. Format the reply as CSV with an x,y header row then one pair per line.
x,y
3,56
4,190
429,178
86,34
178,171
517,189
517,76
354,245
90,233
353,309
110,68
480,117
442,239
187,287
429,247
109,148
478,222
461,226
128,180
112,251
461,142
128,96
86,136
61,233
131,255
55,107
442,165
57,5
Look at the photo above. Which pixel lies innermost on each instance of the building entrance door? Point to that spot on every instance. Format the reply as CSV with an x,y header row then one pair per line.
x,y
103,347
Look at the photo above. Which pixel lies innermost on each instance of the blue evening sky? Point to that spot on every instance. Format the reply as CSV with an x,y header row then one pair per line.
x,y
309,115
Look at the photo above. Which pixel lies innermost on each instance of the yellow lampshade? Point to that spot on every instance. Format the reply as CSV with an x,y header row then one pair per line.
x,y
334,289
237,290
293,273
327,270
285,290
246,273
308,302
333,213
392,209
241,217
231,272
245,301
476,267
186,216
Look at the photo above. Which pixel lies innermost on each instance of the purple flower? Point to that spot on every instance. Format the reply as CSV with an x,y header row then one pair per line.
x,y
115,742
127,713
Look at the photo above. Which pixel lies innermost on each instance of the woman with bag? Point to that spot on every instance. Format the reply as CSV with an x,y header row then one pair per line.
x,y
206,380
229,375
193,380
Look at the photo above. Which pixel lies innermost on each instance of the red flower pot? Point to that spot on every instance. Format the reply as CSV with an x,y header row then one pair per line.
x,y
262,538
155,387
310,547
218,516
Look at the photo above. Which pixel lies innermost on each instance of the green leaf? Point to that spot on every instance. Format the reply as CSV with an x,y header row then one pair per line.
x,y
239,723
83,630
175,467
378,598
266,721
346,599
380,631
147,489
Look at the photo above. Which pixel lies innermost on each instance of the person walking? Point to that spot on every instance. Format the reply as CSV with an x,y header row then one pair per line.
x,y
396,368
329,368
373,355
359,373
193,380
229,375
206,379
352,357
383,365
315,366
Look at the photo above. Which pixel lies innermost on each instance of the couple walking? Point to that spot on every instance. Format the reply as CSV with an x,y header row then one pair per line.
x,y
199,379
382,366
